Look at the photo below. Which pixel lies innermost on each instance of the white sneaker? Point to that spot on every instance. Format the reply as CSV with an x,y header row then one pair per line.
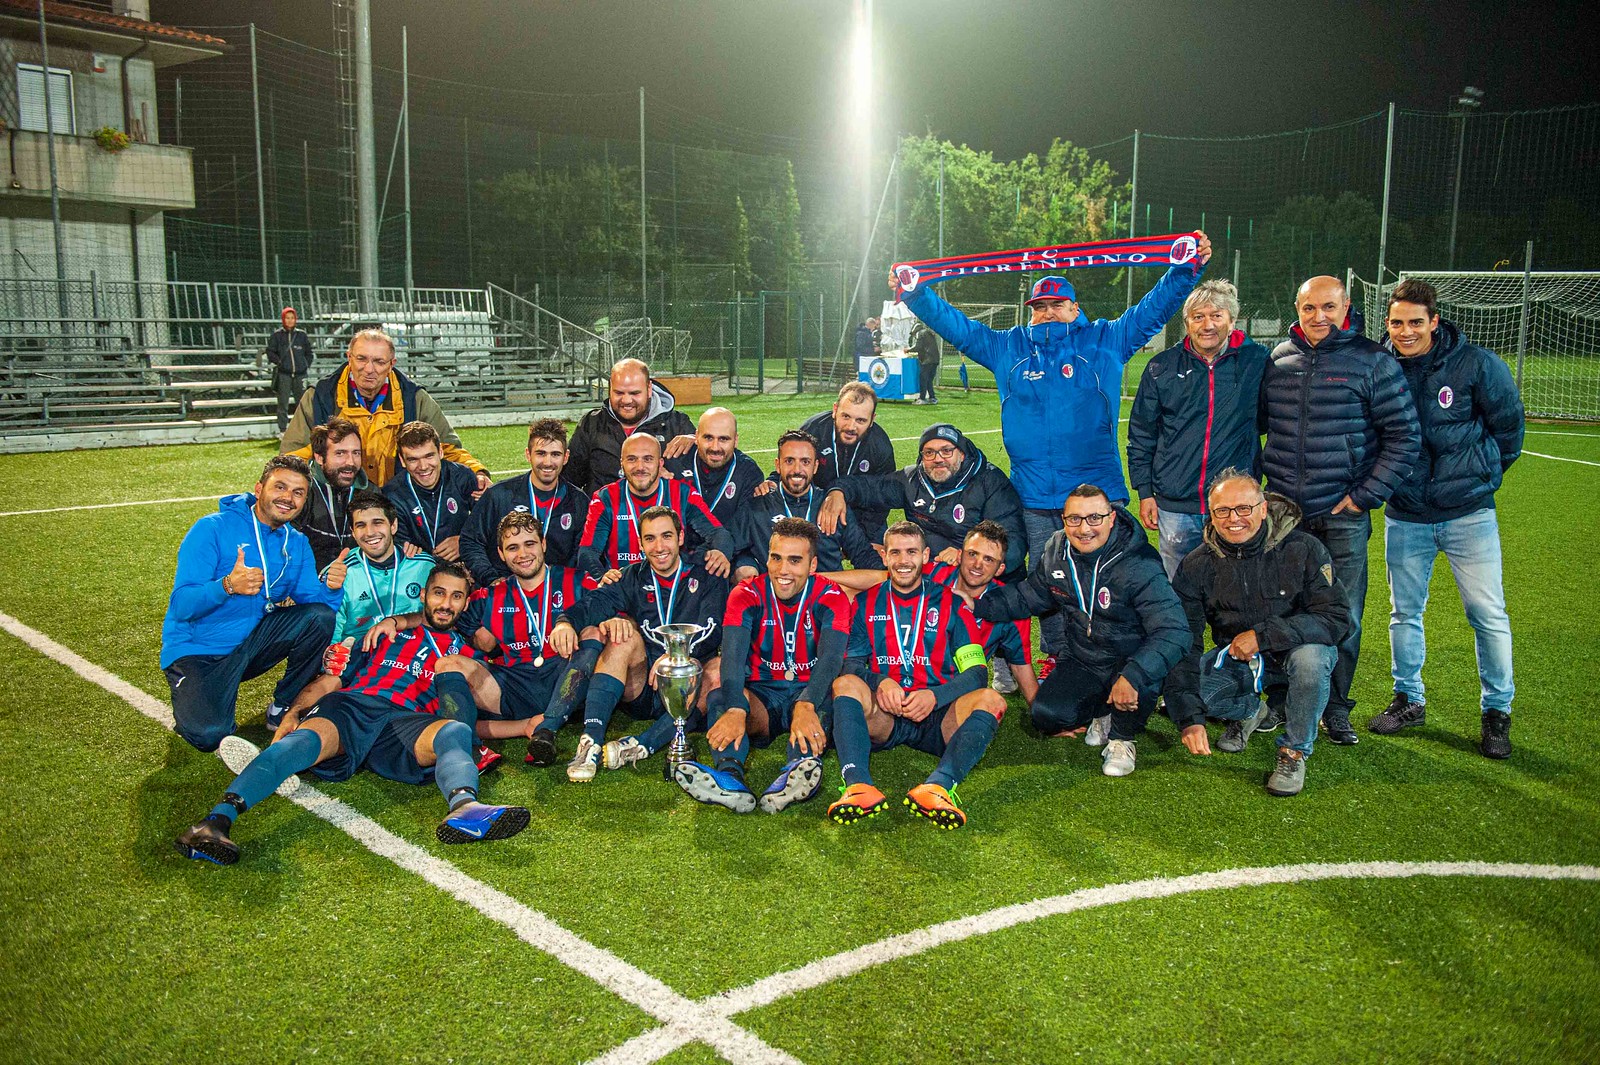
x,y
1098,732
623,752
586,762
237,752
1118,758
1000,678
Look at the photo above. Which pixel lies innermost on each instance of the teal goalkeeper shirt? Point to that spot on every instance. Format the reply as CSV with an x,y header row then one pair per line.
x,y
376,590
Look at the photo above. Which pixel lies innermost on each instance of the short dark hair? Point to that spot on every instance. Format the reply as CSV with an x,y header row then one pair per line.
x,y
1088,491
442,568
906,528
990,529
415,434
292,463
800,436
796,529
332,431
1412,290
372,499
652,513
518,521
548,429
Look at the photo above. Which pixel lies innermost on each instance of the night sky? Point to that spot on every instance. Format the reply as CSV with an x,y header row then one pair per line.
x,y
1006,75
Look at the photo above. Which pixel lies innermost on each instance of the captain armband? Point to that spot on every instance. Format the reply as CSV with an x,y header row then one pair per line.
x,y
968,656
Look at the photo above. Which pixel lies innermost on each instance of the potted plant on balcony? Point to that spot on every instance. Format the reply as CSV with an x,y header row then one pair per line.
x,y
111,139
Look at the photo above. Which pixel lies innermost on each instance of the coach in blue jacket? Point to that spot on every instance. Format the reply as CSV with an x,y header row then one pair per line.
x,y
1341,437
1472,424
1060,381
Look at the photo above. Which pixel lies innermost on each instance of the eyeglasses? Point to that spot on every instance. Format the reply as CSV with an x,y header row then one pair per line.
x,y
1242,511
1075,520
938,453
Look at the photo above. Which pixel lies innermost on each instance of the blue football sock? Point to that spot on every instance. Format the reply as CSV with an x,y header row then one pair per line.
x,y
298,750
455,699
455,768
851,740
605,692
572,686
964,749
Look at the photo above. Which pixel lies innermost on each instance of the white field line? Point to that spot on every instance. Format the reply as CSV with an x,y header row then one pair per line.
x,y
626,981
1552,432
1561,458
653,1045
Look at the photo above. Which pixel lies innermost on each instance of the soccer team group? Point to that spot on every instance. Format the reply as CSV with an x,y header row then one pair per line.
x,y
423,622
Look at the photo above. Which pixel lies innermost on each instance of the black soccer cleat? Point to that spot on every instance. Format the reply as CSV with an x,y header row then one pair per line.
x,y
1400,713
208,841
1495,742
1337,725
542,748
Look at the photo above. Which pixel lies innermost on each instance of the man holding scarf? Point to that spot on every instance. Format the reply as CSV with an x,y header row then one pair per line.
x,y
1060,382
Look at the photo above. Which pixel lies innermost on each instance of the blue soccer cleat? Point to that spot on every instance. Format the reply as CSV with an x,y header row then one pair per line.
x,y
719,787
472,822
208,842
800,780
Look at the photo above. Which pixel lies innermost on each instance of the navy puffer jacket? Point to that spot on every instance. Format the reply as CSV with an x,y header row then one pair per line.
x,y
1472,422
1339,421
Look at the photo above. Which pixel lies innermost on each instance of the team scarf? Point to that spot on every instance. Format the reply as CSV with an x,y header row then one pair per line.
x,y
1169,249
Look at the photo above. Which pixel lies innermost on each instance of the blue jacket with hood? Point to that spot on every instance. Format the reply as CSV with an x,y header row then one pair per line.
x,y
1060,386
202,618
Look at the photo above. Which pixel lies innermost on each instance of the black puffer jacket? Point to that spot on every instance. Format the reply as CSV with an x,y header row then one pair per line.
x,y
1279,583
1472,423
1121,613
1339,421
596,444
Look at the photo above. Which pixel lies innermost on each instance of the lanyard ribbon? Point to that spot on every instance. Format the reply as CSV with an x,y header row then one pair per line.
x,y
905,658
1168,249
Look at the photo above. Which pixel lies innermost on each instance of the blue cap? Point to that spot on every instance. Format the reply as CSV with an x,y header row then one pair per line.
x,y
1052,288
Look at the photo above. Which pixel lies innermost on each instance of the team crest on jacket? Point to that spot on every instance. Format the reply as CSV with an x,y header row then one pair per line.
x,y
933,619
451,506
959,513
1066,369
862,465
1104,598
1446,397
566,521
730,491
414,590
694,585
1327,574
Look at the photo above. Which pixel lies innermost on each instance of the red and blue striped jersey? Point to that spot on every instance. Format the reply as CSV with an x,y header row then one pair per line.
x,y
773,624
919,652
1011,640
400,669
504,610
610,540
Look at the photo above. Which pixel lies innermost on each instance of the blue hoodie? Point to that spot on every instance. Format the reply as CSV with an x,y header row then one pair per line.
x,y
1060,386
202,619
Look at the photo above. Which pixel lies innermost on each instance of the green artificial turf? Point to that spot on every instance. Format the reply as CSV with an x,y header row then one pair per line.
x,y
314,949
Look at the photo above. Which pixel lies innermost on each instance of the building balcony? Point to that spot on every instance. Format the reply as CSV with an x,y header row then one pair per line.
x,y
146,177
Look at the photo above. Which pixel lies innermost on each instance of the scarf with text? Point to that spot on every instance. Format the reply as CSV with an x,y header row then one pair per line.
x,y
1169,249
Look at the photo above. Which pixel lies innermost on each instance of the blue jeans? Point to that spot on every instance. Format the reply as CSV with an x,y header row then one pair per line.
x,y
1040,525
1471,543
1179,534
1345,536
1307,671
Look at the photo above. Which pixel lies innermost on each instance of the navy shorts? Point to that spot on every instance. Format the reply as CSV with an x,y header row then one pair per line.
x,y
779,698
376,736
926,735
525,689
645,706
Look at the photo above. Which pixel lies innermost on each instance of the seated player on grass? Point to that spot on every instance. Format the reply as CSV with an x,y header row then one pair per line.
x,y
783,643
513,619
976,572
385,721
915,676
662,590
434,494
245,597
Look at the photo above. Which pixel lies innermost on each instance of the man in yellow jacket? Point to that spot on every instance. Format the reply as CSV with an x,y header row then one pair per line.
x,y
379,399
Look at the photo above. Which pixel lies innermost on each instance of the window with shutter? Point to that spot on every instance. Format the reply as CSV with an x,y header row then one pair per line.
x,y
30,94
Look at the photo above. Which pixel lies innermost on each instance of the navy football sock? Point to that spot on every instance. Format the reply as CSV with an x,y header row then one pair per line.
x,y
661,730
574,683
455,768
964,749
455,699
296,751
851,740
733,756
605,692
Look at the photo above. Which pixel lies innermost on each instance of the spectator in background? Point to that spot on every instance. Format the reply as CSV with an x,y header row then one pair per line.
x,y
432,495
866,339
636,402
927,349
289,353
1194,414
380,400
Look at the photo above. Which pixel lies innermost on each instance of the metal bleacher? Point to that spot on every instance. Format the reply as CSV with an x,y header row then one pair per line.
x,y
133,362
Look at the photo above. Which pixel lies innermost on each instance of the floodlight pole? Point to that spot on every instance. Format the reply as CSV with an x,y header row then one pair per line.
x,y
55,187
1383,224
1470,97
644,274
1133,199
941,201
405,111
261,187
366,167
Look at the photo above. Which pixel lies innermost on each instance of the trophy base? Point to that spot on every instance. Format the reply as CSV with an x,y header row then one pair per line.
x,y
676,756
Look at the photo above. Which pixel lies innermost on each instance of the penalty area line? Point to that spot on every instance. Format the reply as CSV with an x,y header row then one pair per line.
x,y
626,981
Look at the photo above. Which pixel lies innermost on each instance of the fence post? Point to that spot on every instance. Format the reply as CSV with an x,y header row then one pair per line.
x,y
1383,224
761,345
644,275
261,185
1133,201
1527,299
738,337
1236,268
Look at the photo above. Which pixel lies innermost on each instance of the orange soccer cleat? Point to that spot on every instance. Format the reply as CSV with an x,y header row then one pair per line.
x,y
856,802
937,805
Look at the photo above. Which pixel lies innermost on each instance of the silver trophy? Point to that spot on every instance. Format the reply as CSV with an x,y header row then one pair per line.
x,y
677,677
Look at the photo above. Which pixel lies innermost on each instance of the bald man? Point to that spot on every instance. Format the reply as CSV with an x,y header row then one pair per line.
x,y
635,403
1341,436
719,471
611,540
